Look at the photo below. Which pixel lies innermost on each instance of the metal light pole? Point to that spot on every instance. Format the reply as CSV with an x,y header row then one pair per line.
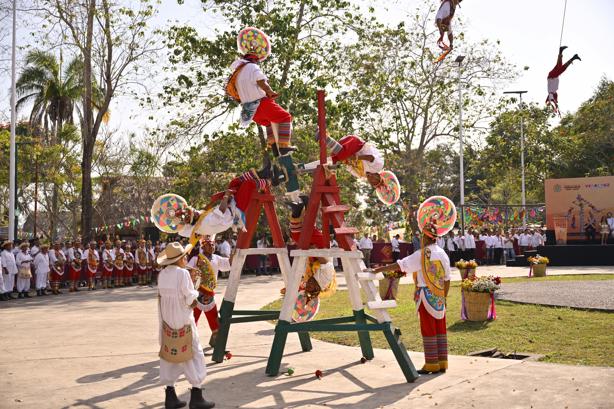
x,y
459,60
12,166
524,198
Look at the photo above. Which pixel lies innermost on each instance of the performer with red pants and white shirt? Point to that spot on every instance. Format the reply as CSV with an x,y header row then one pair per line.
x,y
258,104
206,300
431,272
553,79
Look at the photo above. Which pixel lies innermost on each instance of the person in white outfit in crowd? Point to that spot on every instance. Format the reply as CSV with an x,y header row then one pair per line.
x,y
24,270
177,299
41,269
9,268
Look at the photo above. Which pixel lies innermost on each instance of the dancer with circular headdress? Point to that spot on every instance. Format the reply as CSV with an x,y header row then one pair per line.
x,y
430,268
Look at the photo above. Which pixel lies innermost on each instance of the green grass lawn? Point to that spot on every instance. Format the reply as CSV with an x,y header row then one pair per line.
x,y
562,335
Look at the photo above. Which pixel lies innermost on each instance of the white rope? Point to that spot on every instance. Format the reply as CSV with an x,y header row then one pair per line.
x,y
563,24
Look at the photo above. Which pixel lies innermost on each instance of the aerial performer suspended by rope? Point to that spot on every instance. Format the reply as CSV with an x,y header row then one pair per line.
x,y
553,79
443,21
364,161
249,86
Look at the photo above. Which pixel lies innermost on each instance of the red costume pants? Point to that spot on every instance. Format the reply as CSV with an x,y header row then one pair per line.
x,y
73,273
269,112
435,339
211,315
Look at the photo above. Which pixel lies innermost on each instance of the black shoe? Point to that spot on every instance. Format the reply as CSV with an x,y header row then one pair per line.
x,y
278,176
20,295
26,294
38,293
576,57
171,401
11,297
287,150
275,150
197,401
562,48
425,372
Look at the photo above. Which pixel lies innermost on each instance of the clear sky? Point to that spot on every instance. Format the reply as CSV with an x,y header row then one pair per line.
x,y
529,32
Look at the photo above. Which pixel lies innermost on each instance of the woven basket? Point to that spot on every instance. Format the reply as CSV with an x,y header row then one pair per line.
x,y
539,270
383,288
467,272
477,305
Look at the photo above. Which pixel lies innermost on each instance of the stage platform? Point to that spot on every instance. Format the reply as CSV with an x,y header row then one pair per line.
x,y
577,255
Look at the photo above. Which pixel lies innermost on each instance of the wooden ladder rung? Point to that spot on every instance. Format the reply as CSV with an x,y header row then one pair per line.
x,y
335,209
370,276
346,230
381,305
327,189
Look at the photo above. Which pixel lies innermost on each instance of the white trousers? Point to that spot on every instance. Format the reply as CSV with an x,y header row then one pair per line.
x,y
41,280
9,282
195,370
23,284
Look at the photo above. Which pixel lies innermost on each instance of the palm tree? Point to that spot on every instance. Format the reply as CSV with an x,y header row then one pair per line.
x,y
53,93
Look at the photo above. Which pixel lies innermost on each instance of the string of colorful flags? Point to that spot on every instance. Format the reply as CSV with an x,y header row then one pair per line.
x,y
131,221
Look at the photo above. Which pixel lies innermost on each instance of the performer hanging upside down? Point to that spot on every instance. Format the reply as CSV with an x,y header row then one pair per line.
x,y
233,204
249,86
553,79
443,21
202,257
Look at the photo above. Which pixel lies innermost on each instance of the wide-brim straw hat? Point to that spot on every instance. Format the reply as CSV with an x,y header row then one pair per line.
x,y
6,243
172,253
24,245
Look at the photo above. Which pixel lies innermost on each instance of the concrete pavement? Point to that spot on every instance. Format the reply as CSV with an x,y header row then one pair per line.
x,y
99,350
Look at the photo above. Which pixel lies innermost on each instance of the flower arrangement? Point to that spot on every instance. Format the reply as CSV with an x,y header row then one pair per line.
x,y
539,260
466,264
484,284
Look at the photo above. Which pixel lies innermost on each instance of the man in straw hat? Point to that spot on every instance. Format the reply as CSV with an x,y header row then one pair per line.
x,y
180,351
9,268
430,268
42,267
24,268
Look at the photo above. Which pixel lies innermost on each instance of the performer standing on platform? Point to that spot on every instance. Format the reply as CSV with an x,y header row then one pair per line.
x,y
57,261
91,257
205,259
177,298
431,272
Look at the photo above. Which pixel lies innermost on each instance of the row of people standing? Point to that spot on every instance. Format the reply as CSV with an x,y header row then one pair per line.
x,y
101,264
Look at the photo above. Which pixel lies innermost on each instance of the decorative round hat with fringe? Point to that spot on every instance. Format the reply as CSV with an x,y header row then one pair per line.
x,y
389,189
165,212
254,41
436,216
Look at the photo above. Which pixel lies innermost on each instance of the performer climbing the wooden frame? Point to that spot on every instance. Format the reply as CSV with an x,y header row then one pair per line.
x,y
233,204
249,86
363,160
553,79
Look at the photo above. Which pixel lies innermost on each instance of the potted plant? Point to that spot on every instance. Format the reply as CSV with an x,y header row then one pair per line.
x,y
478,301
466,268
389,286
537,265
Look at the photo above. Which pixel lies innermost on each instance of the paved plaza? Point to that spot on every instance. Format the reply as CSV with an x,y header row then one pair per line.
x,y
99,350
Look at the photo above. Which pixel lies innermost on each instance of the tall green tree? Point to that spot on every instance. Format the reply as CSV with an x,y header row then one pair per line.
x,y
53,91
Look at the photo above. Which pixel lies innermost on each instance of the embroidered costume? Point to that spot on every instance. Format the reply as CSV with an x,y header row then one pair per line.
x,y
553,79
